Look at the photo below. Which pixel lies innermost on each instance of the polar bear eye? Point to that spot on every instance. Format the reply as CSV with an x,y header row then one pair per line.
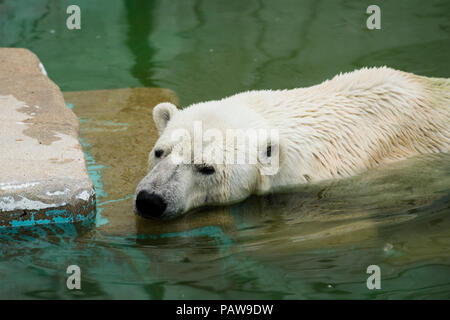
x,y
205,169
159,153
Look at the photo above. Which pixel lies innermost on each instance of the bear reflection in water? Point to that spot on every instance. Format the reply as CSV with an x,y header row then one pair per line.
x,y
399,195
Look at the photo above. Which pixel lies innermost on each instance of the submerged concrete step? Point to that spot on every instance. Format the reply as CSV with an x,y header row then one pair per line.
x,y
43,173
118,132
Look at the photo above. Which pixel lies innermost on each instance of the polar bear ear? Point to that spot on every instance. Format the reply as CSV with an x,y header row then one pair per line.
x,y
162,114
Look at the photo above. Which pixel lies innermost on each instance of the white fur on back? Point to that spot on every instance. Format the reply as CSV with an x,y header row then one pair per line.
x,y
352,122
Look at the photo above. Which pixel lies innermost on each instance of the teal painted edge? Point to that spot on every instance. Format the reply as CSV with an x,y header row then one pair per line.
x,y
55,216
95,172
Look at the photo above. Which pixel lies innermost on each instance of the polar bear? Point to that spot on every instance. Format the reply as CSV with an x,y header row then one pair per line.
x,y
336,129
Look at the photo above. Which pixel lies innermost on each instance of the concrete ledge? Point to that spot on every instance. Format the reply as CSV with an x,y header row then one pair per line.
x,y
43,174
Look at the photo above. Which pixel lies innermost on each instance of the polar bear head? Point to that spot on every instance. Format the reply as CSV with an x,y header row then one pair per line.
x,y
210,153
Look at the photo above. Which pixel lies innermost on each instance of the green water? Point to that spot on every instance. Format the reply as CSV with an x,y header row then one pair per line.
x,y
315,243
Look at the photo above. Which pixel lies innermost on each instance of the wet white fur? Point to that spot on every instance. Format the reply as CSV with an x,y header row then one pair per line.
x,y
339,128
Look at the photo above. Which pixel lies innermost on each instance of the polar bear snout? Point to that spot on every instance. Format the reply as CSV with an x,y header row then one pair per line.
x,y
150,205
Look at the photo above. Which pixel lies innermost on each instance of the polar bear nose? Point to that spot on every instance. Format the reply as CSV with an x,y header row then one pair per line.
x,y
150,205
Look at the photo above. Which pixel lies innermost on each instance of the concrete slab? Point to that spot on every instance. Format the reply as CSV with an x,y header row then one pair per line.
x,y
43,173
